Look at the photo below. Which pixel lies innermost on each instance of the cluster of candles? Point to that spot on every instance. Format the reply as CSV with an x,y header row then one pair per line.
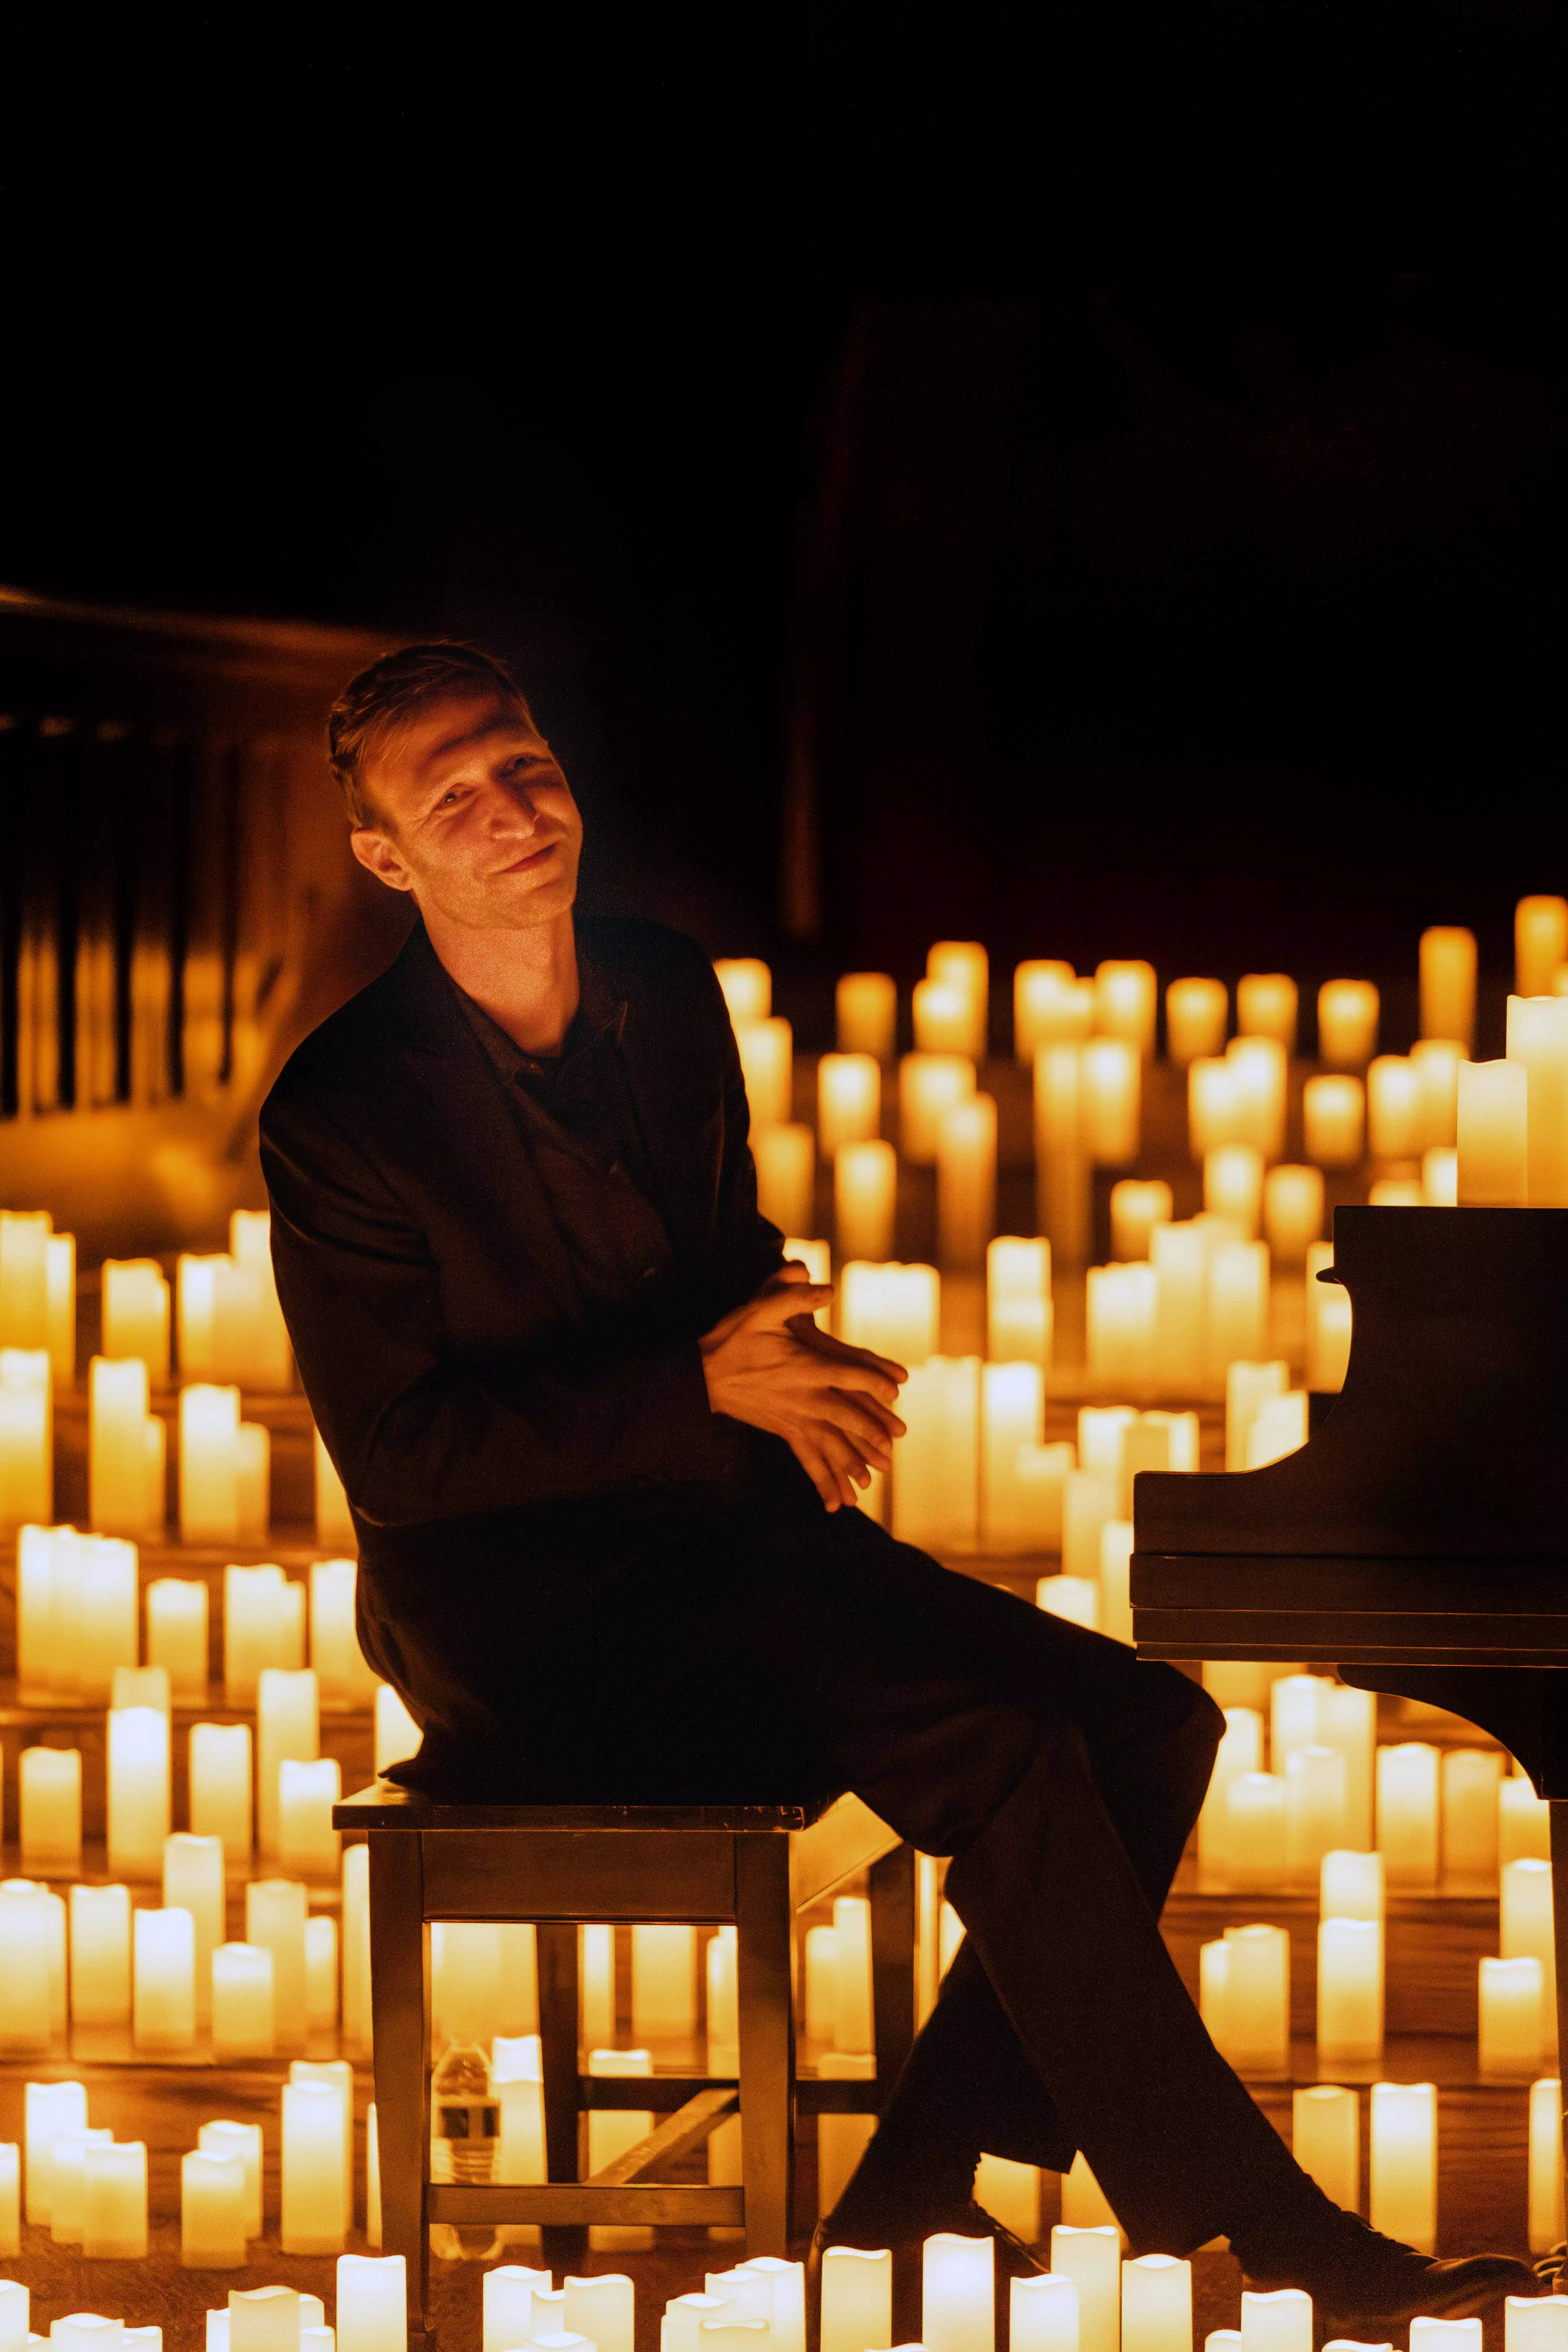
x,y
370,2315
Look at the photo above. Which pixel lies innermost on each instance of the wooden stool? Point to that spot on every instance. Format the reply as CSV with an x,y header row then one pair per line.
x,y
560,1865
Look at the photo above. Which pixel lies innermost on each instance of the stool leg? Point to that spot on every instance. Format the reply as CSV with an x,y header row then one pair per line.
x,y
1559,1820
400,2011
563,2246
891,1886
764,1954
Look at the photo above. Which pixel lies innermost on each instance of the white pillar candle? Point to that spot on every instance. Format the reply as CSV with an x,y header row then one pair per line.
x,y
866,1009
258,1629
1523,1822
264,2318
343,1675
1240,1750
164,1985
68,2194
1537,1041
321,1973
857,2300
26,1437
1116,1580
1197,1012
1470,1778
244,2023
177,1634
1525,1929
220,1787
1408,1815
1351,1886
59,1288
1040,1474
664,1982
1103,1437
1051,1006
1122,1315
766,1049
397,1734
1404,2163
1136,1208
135,1312
114,2204
1545,2165
1236,1307
966,1182
1012,1417
1091,2258
1394,1127
958,974
308,1845
506,2304
1437,1061
24,1278
253,1473
1325,2140
1440,1179
1292,1212
1266,1006
785,1159
121,1445
1259,1068
1089,1500
1180,1255
684,2315
1347,1722
1278,1427
1511,2040
1156,2303
212,2212
1447,956
244,2141
1018,1318
747,985
373,2304
1347,1023
787,2280
1157,1440
1333,1121
864,1200
288,1724
1255,1828
209,1464
1349,1992
1535,2323
356,2010
100,1955
275,1918
1314,1810
958,2305
47,2108
1112,1109
265,1361
848,1100
1063,1190
1247,1387
1276,2322
315,2193
194,1882
1492,1135
1540,943
1043,2313
1233,1187
936,1472
928,1087
1126,998
1295,1710
606,2304
85,2331
50,1801
139,1790
1074,1599
14,2300
334,1520
1257,2000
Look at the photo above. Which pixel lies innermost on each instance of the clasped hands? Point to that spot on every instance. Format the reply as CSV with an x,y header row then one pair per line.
x,y
767,1364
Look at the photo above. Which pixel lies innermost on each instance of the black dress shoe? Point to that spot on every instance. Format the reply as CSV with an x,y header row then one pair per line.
x,y
1358,2279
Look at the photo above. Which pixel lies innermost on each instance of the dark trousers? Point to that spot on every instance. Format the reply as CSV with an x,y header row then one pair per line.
x,y
719,1653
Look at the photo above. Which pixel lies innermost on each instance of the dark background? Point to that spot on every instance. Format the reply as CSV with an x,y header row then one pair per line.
x,y
1102,464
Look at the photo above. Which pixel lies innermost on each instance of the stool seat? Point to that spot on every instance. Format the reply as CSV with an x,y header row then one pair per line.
x,y
387,1806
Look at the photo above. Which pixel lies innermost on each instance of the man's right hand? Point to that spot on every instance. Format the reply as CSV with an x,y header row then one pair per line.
x,y
768,1364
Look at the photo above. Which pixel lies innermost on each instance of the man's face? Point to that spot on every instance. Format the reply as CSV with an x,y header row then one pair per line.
x,y
481,823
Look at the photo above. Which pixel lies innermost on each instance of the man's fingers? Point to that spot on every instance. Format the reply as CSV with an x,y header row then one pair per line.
x,y
792,1301
864,1359
865,1426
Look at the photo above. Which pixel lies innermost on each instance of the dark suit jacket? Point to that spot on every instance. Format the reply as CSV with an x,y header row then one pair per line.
x,y
449,1362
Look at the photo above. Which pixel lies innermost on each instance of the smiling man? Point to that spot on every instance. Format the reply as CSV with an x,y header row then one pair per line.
x,y
603,1466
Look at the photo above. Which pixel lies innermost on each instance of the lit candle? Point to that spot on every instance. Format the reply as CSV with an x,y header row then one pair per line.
x,y
244,2023
288,1724
212,2212
1091,2258
308,1844
115,2202
263,1625
1523,1822
1214,1115
177,1633
928,1087
1448,983
1436,1060
1492,1138
664,1982
1347,1023
787,2280
1062,1177
1470,1779
372,2302
263,1358
1240,1750
1278,2322
275,1918
1257,1999
1156,2304
264,2319
334,1520
1089,1500
24,1278
1180,1255
1018,1319
209,1464
848,1100
397,1734
1043,2313
50,1794
1255,1828
1196,1014
1051,1006
786,1159
1404,2202
1233,1186
1136,1208
507,2312
194,1882
936,1474
1126,998
47,2108
139,1797
1292,1212
747,986
1511,2040
1314,1810
1325,2140
864,1200
1539,945
893,1310
766,1050
1329,1323
866,1006
1074,1599
321,1973
26,1437
1525,1923
942,1017
1347,1722
1407,1814
1334,1121
1012,1416
963,966
1545,2165
1116,1580
1237,1307
1041,1473
1278,1427
1247,1387
1111,1107
1122,1307
1266,1006
164,1985
1260,1068
1350,1992
966,1182
1538,1039
1440,1178
220,1787
26,2019
1535,2323
100,1955
135,1311
243,2140
59,1314
315,2192
857,2300
1393,1108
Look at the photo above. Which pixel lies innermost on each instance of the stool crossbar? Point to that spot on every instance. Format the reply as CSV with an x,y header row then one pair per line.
x,y
561,1867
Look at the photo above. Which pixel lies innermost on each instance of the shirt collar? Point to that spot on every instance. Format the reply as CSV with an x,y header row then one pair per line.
x,y
600,1014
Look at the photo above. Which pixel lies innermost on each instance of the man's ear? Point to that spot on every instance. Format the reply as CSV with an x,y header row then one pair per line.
x,y
380,856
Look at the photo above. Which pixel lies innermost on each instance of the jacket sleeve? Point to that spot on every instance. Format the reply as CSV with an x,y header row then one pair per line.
x,y
416,1431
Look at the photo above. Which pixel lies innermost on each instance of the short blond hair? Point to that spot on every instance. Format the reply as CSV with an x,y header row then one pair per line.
x,y
389,692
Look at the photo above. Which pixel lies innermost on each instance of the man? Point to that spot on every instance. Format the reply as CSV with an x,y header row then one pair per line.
x,y
603,1469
